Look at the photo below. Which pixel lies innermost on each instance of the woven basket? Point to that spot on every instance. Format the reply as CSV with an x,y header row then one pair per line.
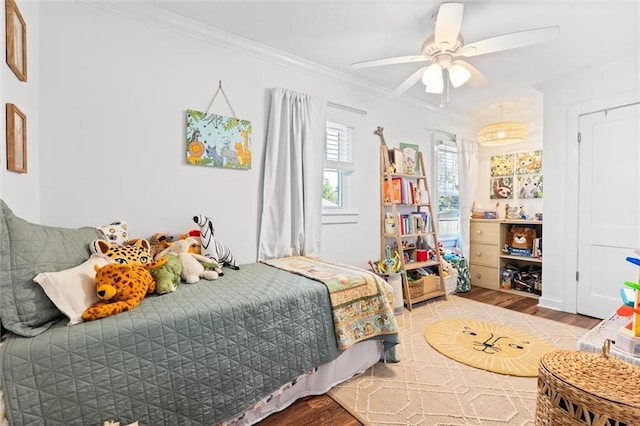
x,y
581,388
415,288
422,286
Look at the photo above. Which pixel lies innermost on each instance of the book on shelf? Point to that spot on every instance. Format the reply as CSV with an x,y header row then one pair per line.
x,y
395,189
398,160
537,248
389,224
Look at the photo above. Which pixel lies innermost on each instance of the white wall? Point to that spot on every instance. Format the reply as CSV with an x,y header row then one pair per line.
x,y
532,142
21,190
599,84
114,90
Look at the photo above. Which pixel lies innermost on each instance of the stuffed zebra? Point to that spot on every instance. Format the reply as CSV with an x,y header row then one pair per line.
x,y
212,248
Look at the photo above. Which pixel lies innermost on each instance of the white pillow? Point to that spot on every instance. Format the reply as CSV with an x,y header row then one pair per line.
x,y
72,290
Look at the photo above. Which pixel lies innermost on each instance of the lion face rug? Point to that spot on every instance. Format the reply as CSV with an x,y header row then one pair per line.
x,y
488,346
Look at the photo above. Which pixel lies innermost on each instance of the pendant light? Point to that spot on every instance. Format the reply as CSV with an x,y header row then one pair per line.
x,y
502,133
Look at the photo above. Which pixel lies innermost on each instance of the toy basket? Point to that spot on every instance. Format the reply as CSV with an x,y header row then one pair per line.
x,y
422,286
582,388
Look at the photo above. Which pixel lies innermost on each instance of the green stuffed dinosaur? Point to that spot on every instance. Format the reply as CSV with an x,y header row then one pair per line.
x,y
167,276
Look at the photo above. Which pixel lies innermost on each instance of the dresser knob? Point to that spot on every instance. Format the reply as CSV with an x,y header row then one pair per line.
x,y
478,254
479,232
478,276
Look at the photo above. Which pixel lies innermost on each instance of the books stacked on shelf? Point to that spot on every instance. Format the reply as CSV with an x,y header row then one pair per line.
x,y
405,191
537,248
413,223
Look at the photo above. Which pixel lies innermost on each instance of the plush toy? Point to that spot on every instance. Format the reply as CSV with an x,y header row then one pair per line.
x,y
195,233
212,248
120,287
158,242
136,252
520,240
131,252
192,270
167,276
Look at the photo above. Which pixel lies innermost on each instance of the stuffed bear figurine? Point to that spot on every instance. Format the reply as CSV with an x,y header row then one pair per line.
x,y
120,287
192,270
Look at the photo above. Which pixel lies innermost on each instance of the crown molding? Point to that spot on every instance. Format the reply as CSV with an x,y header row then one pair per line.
x,y
152,15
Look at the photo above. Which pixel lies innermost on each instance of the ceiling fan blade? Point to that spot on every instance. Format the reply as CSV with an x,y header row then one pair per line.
x,y
477,79
509,41
413,79
389,61
448,23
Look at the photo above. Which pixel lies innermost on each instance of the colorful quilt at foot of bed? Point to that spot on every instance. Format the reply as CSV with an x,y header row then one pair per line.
x,y
361,308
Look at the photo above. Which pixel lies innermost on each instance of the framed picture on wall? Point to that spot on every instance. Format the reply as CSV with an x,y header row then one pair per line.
x,y
16,39
16,139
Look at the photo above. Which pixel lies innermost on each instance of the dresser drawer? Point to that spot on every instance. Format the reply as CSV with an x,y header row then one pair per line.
x,y
484,232
484,254
484,276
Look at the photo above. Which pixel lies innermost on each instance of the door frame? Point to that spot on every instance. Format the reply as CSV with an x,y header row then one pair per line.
x,y
571,185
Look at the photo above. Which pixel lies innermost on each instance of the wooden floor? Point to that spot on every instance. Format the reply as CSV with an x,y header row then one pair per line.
x,y
323,411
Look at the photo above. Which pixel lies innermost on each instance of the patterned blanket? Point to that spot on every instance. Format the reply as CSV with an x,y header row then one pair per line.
x,y
360,300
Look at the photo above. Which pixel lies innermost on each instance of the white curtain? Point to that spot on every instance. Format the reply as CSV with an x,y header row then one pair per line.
x,y
293,170
467,176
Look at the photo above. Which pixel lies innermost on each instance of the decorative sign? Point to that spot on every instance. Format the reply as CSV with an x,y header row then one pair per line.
x,y
218,141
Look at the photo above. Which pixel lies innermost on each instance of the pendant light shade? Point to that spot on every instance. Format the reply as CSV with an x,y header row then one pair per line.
x,y
502,133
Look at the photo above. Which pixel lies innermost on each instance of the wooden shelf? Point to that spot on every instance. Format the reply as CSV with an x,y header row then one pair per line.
x,y
426,296
401,215
523,258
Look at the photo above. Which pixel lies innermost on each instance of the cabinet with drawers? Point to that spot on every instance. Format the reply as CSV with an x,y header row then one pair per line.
x,y
484,253
488,256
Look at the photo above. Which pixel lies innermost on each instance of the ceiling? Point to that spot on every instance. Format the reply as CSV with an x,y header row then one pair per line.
x,y
338,33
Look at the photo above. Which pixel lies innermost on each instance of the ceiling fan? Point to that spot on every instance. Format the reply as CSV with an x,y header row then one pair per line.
x,y
444,48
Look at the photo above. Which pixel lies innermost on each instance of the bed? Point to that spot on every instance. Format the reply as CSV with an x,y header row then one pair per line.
x,y
229,351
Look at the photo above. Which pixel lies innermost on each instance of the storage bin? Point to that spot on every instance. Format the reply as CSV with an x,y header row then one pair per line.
x,y
422,286
583,388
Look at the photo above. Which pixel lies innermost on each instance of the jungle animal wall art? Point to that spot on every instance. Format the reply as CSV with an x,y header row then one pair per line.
x,y
502,188
502,165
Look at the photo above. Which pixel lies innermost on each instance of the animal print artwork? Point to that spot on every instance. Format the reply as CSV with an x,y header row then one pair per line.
x,y
529,186
528,162
501,188
516,176
218,141
502,165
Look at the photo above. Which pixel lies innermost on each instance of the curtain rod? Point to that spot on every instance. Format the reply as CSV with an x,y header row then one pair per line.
x,y
346,108
442,132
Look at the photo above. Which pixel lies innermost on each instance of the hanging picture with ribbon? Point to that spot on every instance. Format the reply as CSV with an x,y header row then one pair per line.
x,y
218,141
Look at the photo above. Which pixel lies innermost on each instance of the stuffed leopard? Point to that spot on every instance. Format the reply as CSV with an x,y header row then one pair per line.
x,y
134,252
120,287
137,252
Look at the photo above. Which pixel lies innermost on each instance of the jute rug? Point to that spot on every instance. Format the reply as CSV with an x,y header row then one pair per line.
x,y
488,345
428,388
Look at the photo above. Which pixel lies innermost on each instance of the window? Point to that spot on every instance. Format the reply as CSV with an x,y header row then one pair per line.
x,y
448,195
338,167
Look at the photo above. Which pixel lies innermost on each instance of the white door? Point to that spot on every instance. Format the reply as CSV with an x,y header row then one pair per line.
x,y
609,207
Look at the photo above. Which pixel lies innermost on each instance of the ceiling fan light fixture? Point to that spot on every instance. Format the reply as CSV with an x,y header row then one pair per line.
x,y
432,75
458,75
502,133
